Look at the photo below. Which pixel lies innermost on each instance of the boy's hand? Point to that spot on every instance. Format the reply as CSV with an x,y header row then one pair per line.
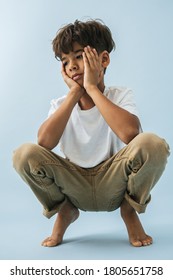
x,y
92,68
70,82
74,86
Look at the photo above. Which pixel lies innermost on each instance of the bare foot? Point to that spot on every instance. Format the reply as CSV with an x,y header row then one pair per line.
x,y
67,215
137,235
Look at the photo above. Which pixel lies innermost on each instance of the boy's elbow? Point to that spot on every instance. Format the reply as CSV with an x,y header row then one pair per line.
x,y
128,137
131,131
45,142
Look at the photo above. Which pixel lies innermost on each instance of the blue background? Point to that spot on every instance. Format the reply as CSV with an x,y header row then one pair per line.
x,y
30,77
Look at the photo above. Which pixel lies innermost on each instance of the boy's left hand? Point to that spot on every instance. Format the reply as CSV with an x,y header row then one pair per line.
x,y
93,72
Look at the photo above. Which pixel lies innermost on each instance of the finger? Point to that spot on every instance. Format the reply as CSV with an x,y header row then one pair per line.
x,y
85,60
95,53
64,74
89,54
92,52
85,57
62,69
101,75
92,56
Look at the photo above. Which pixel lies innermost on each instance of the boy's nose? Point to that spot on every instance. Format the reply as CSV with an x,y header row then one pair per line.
x,y
73,66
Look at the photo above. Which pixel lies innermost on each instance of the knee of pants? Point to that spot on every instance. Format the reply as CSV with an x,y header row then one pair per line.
x,y
22,155
153,145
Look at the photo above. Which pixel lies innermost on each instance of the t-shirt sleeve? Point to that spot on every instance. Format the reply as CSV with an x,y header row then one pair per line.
x,y
127,102
54,105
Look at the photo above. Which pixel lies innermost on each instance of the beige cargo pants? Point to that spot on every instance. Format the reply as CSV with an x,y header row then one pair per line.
x,y
130,174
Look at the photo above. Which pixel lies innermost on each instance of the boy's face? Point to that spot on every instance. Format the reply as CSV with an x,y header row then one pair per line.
x,y
73,63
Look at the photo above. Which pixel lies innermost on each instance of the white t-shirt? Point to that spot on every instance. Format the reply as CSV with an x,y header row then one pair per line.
x,y
87,139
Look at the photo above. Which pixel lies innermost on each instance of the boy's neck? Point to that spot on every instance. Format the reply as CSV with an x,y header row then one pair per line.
x,y
86,102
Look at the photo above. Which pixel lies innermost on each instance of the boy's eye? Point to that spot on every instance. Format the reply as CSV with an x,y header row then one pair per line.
x,y
65,63
79,56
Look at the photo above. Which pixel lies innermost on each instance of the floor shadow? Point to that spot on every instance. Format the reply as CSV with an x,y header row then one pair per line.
x,y
101,240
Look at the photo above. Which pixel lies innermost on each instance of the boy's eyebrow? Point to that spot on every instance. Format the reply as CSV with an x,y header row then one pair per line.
x,y
76,51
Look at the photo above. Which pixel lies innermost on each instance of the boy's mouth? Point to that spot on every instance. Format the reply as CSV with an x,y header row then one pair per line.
x,y
76,77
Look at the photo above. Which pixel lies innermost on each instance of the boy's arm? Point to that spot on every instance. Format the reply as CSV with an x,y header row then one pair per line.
x,y
123,123
52,129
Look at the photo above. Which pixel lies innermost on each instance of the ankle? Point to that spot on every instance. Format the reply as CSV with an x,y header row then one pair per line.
x,y
126,209
68,213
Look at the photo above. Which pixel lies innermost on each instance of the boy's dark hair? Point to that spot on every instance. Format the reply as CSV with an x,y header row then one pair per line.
x,y
90,33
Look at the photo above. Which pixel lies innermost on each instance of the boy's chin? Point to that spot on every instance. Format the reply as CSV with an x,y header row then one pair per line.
x,y
80,83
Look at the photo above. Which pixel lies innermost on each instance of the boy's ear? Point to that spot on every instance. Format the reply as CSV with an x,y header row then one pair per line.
x,y
105,59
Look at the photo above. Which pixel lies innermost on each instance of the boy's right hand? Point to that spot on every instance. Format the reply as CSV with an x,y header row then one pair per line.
x,y
73,86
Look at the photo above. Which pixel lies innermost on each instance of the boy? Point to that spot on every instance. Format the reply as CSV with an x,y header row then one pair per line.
x,y
108,162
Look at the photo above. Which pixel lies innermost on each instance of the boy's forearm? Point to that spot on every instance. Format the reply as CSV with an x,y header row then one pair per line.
x,y
52,129
124,124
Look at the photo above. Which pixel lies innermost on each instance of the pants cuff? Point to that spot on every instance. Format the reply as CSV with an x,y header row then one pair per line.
x,y
140,208
49,213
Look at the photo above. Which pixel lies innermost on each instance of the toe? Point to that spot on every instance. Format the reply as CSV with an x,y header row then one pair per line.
x,y
50,242
45,241
147,241
136,243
